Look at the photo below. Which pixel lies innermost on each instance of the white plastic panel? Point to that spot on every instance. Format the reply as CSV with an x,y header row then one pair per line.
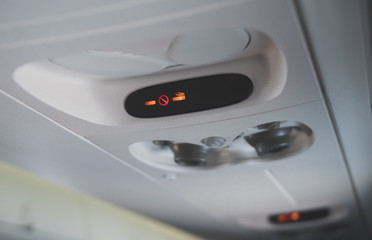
x,y
99,97
139,37
207,189
208,46
42,147
44,21
344,64
111,64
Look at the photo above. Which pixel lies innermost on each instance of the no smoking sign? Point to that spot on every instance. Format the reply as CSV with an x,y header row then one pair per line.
x,y
163,100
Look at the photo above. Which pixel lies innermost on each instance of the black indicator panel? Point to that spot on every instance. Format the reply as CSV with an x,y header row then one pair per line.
x,y
300,216
189,95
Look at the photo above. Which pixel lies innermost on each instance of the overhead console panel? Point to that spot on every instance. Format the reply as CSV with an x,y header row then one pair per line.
x,y
196,66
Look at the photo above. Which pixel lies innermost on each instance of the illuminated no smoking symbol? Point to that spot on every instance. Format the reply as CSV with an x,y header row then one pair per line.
x,y
163,100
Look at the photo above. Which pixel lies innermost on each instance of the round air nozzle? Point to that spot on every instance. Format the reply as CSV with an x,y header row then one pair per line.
x,y
191,155
281,140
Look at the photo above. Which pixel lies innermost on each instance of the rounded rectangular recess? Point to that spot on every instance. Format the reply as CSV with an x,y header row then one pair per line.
x,y
299,216
189,95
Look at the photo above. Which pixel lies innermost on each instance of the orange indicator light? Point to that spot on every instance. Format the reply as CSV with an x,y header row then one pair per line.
x,y
149,103
292,217
180,96
295,216
175,99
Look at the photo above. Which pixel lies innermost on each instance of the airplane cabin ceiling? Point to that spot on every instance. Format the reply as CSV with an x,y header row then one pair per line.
x,y
289,145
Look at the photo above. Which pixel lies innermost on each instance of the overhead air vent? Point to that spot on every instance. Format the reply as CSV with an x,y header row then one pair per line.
x,y
262,143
